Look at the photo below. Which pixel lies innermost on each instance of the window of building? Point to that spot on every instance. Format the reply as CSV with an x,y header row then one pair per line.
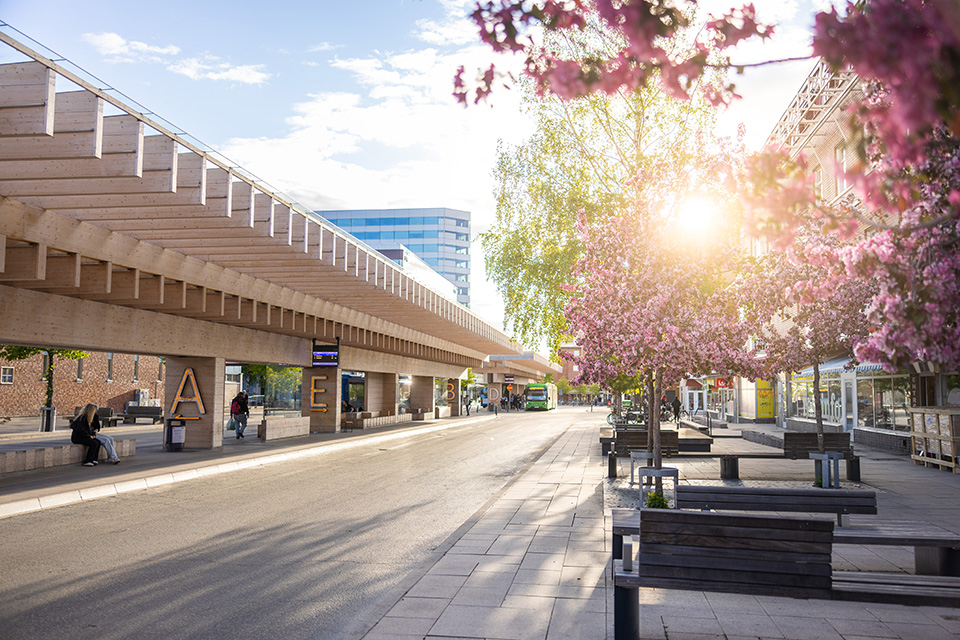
x,y
882,402
576,368
109,367
817,183
951,390
840,178
136,367
802,401
462,223
463,236
462,291
80,370
461,277
45,365
159,369
6,375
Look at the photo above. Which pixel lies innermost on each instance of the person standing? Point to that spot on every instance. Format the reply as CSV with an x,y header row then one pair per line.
x,y
84,430
676,409
239,410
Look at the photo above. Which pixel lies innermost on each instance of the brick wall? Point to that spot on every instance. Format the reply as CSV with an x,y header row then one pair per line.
x,y
28,392
884,440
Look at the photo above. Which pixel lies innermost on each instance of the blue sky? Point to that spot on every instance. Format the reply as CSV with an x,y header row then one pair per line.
x,y
341,104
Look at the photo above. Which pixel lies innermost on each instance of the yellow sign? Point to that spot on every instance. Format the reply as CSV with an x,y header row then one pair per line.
x,y
316,393
765,403
188,376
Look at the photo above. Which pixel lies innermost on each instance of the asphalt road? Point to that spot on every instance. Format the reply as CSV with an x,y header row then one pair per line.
x,y
305,549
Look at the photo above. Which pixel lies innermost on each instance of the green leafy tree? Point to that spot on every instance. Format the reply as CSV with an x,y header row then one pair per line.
x,y
13,353
585,155
564,386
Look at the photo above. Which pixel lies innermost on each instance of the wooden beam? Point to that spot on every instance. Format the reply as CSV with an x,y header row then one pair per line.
x,y
25,262
27,99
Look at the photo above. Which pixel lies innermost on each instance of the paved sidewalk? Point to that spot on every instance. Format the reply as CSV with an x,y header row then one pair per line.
x,y
536,563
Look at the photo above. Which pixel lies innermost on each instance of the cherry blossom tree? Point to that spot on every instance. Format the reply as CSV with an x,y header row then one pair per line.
x,y
907,218
650,297
797,323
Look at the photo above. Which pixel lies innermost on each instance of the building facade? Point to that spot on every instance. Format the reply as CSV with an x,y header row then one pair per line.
x,y
106,379
439,236
865,400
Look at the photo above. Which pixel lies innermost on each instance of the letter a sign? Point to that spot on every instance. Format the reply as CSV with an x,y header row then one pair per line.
x,y
188,376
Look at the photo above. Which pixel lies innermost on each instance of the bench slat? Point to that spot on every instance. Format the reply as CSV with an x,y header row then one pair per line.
x,y
721,552
749,561
629,579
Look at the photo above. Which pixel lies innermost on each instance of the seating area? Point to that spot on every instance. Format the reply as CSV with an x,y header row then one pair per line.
x,y
761,555
41,454
133,413
627,440
372,419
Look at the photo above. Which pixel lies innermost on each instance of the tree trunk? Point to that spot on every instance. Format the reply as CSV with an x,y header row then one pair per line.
x,y
48,377
818,411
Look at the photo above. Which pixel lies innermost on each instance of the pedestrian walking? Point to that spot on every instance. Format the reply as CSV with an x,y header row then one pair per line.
x,y
239,410
83,431
676,409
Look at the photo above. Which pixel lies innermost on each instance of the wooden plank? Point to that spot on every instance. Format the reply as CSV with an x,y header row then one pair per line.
x,y
25,262
824,556
61,271
27,99
77,131
671,516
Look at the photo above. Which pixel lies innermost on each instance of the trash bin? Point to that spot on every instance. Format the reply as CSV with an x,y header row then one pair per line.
x,y
174,434
48,418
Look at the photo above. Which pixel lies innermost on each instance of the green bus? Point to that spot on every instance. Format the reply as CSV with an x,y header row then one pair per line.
x,y
542,396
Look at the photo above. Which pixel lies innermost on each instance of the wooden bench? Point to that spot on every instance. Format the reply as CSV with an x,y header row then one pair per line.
x,y
751,554
798,445
725,553
936,550
841,502
155,414
41,454
107,419
627,440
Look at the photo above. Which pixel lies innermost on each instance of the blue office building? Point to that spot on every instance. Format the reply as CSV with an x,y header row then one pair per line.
x,y
439,236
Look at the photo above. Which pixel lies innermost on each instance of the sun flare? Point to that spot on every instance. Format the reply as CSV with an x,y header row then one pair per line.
x,y
697,215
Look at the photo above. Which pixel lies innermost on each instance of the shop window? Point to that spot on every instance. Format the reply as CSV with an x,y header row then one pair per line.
x,y
951,390
840,178
136,368
6,375
109,367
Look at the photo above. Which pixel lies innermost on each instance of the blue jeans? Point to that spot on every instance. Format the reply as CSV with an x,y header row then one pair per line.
x,y
107,442
240,421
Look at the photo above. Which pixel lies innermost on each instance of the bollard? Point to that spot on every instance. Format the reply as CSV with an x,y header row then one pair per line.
x,y
729,468
853,469
48,418
612,464
626,602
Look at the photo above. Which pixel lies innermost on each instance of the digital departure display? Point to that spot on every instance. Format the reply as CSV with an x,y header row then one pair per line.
x,y
326,355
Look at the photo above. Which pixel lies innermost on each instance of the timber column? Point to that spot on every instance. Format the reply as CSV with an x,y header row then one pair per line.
x,y
380,392
422,393
453,397
194,391
321,398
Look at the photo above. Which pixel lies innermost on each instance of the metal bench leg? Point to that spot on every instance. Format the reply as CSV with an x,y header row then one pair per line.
x,y
626,613
936,561
612,464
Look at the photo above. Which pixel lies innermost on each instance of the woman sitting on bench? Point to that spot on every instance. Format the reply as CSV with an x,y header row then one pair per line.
x,y
85,427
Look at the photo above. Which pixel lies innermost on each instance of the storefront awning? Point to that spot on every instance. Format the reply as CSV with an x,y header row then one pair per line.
x,y
836,365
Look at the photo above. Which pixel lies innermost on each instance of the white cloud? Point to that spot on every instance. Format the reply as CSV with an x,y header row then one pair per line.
x,y
119,49
323,46
122,50
210,68
400,140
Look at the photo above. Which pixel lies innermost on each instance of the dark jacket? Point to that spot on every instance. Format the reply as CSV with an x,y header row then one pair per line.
x,y
242,401
81,431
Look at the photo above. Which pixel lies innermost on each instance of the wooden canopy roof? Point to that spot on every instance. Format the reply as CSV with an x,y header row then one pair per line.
x,y
117,208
